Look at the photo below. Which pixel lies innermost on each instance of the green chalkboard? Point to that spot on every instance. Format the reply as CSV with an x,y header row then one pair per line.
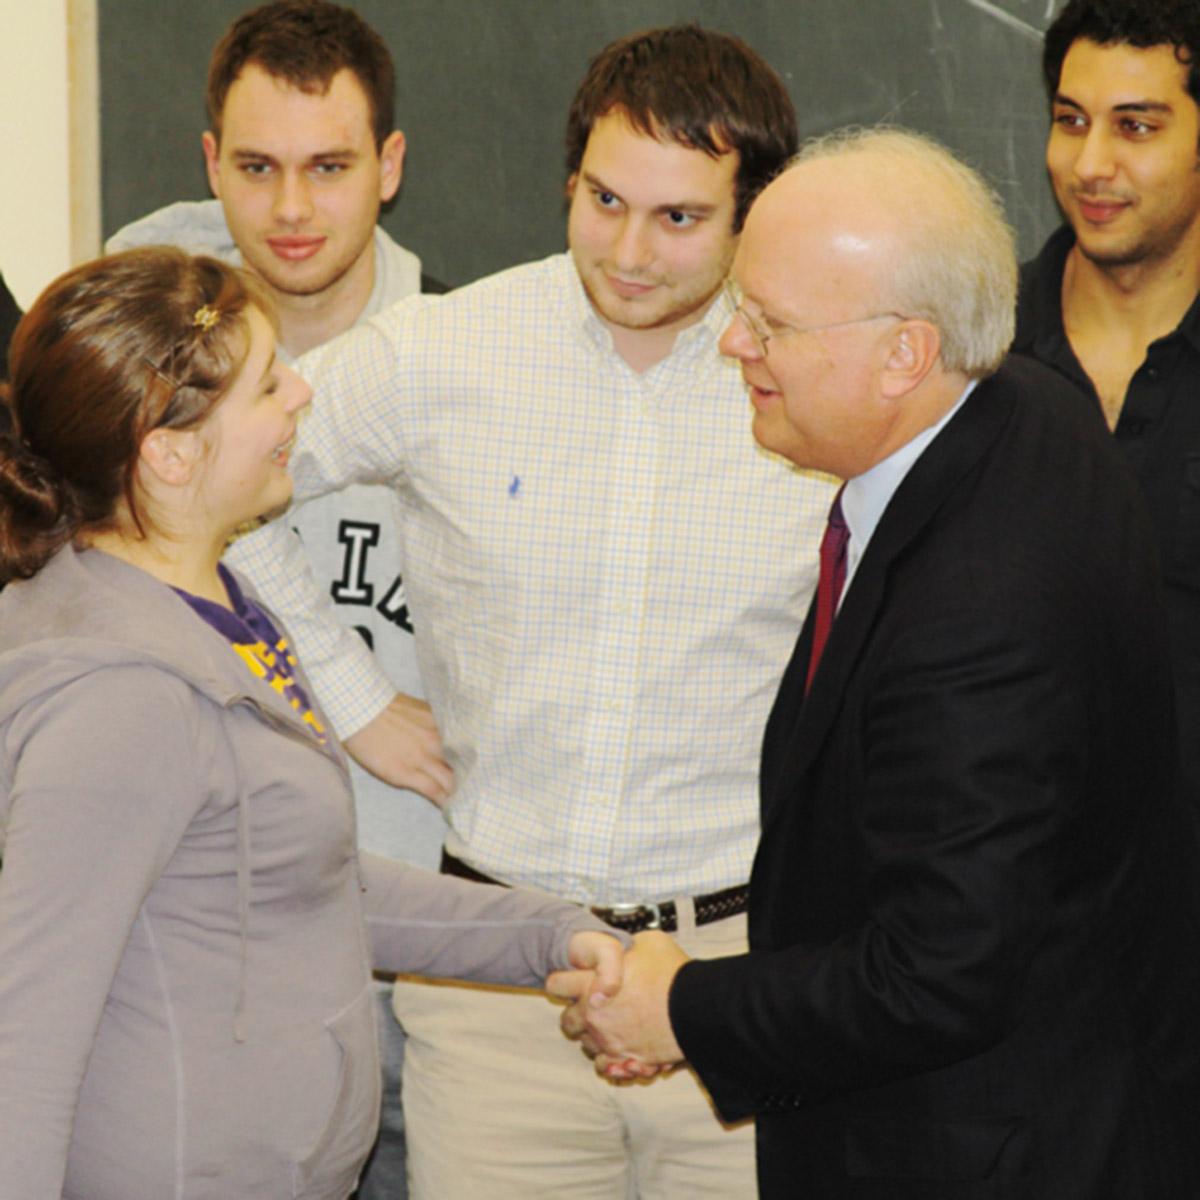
x,y
483,88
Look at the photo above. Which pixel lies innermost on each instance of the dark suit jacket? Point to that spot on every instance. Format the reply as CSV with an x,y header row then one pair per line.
x,y
974,929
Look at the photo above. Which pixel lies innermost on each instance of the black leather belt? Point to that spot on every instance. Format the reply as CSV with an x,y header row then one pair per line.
x,y
633,918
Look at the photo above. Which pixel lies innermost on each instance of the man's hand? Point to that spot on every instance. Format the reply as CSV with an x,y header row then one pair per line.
x,y
402,747
629,1033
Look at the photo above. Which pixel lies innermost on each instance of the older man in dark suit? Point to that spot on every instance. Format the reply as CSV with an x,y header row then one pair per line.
x,y
974,915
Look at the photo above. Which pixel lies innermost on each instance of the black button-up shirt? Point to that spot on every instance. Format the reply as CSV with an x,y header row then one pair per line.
x,y
1159,433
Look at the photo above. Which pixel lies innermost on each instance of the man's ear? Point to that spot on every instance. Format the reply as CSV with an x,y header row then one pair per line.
x,y
212,158
171,455
913,351
572,182
391,165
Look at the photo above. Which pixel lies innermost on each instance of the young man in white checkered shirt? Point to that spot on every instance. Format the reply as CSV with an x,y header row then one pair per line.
x,y
605,579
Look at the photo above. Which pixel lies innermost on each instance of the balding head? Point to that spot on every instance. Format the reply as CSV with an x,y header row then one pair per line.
x,y
879,276
952,258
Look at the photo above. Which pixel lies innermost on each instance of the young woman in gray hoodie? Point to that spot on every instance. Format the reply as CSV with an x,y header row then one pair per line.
x,y
187,929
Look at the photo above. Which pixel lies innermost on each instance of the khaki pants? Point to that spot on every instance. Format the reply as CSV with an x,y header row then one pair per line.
x,y
498,1104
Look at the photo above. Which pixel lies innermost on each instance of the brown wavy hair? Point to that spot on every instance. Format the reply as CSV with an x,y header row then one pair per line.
x,y
705,90
305,43
151,338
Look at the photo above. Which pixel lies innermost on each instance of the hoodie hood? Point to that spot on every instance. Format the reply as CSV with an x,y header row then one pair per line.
x,y
86,610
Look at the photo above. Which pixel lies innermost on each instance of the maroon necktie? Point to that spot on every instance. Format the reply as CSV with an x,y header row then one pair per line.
x,y
830,583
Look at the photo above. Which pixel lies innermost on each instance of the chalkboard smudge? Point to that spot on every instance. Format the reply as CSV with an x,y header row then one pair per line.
x,y
1006,18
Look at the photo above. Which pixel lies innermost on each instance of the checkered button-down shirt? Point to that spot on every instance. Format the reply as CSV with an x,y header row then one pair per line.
x,y
605,575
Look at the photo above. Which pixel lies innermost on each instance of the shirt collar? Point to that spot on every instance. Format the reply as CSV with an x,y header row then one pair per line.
x,y
1040,326
865,497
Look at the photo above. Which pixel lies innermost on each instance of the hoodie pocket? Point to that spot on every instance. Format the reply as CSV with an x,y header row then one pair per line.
x,y
331,1167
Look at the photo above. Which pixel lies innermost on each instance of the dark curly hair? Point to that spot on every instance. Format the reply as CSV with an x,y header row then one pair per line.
x,y
1139,23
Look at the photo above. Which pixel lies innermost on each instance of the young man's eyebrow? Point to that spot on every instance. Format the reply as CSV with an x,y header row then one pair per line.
x,y
339,154
699,208
695,208
1144,106
599,184
1135,106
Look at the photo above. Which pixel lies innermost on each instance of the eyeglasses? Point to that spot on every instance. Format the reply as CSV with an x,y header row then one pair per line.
x,y
762,333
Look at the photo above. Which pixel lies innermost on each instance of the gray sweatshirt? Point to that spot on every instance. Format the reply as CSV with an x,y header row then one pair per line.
x,y
186,927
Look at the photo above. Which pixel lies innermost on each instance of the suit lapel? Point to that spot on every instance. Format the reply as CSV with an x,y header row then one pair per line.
x,y
799,724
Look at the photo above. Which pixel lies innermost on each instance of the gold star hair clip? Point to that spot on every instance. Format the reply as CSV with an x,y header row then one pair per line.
x,y
205,317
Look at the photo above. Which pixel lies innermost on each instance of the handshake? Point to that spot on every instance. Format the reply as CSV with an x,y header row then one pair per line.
x,y
619,1003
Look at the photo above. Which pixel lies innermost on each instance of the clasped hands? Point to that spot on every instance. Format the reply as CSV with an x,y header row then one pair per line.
x,y
620,1017
619,1004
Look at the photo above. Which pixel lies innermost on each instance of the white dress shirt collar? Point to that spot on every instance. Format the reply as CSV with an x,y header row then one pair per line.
x,y
866,497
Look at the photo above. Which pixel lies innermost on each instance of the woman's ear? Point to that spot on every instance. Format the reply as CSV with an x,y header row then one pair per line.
x,y
171,455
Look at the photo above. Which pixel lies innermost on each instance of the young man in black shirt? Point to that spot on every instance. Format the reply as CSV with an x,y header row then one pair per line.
x,y
1111,300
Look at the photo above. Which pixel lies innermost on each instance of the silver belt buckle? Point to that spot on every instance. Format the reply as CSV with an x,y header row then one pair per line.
x,y
633,910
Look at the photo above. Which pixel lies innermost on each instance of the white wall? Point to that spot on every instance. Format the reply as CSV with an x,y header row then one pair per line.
x,y
49,143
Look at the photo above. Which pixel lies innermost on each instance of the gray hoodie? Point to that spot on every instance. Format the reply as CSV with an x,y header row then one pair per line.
x,y
183,851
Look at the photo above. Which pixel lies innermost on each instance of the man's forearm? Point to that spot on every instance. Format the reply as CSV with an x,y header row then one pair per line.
x,y
348,682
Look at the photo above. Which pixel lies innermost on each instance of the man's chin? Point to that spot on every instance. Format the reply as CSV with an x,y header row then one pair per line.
x,y
1110,255
308,278
628,314
655,312
1111,251
300,283
766,437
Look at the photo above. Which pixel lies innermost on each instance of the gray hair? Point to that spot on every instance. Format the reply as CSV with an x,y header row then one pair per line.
x,y
956,264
